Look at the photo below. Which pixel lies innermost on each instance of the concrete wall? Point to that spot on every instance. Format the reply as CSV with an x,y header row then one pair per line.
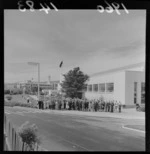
x,y
130,78
118,78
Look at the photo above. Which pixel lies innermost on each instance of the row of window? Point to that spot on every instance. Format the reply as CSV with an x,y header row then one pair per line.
x,y
102,87
142,92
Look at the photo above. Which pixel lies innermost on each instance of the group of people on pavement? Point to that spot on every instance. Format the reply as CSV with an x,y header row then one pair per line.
x,y
95,105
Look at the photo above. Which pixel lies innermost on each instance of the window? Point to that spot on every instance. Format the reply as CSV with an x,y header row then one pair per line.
x,y
135,92
109,87
142,93
102,87
90,87
95,87
86,87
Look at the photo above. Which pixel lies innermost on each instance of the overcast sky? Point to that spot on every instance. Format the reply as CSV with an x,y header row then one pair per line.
x,y
86,38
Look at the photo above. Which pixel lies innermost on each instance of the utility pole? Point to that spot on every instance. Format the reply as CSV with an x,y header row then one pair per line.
x,y
37,64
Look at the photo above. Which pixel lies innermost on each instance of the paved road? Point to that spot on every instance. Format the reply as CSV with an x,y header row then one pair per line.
x,y
61,131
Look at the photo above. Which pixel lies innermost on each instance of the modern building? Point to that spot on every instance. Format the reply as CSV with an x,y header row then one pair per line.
x,y
33,84
125,84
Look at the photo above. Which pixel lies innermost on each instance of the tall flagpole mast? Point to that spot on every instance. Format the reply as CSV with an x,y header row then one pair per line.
x,y
60,76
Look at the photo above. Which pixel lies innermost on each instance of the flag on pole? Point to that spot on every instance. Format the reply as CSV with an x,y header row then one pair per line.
x,y
61,64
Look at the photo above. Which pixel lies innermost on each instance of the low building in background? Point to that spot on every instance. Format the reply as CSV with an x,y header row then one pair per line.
x,y
125,84
10,86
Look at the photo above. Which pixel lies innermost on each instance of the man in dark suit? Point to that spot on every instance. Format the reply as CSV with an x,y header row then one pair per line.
x,y
39,103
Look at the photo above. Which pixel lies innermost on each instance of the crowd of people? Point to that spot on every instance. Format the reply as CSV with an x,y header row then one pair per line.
x,y
95,105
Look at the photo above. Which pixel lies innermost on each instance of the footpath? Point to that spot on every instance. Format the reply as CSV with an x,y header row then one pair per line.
x,y
125,113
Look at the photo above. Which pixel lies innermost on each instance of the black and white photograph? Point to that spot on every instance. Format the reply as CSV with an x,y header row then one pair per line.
x,y
74,80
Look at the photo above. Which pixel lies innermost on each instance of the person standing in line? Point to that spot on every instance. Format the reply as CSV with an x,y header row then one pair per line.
x,y
91,108
86,104
106,106
103,106
115,106
83,105
100,105
79,101
109,106
119,107
67,105
112,106
73,104
64,104
42,105
77,104
92,105
28,100
54,105
96,105
89,104
39,104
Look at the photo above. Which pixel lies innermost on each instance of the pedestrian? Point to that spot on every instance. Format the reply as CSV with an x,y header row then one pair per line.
x,y
28,100
42,105
86,104
116,105
64,104
106,106
90,105
112,106
54,104
95,105
39,103
100,105
50,104
119,107
83,105
67,106
73,104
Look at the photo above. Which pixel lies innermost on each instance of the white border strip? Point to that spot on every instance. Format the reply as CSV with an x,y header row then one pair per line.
x,y
141,131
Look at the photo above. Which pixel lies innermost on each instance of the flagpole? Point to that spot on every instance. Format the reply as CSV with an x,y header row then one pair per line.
x,y
60,76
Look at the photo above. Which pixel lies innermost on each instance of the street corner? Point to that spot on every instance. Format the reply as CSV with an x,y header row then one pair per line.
x,y
137,128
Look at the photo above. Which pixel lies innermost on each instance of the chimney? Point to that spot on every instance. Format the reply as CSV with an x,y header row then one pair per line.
x,y
49,79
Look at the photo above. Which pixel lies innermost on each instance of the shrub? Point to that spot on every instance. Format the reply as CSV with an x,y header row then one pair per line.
x,y
29,135
11,104
7,91
6,103
8,97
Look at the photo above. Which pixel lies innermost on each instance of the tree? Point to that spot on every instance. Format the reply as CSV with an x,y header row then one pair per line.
x,y
74,82
29,135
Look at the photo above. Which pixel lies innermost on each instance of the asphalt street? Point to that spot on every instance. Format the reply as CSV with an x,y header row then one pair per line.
x,y
62,131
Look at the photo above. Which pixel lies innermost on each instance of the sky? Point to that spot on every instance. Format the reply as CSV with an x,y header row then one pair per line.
x,y
87,39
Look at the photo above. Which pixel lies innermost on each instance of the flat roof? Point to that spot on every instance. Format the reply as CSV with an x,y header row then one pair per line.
x,y
124,68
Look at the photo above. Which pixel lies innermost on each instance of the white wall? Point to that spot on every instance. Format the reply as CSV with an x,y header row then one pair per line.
x,y
118,78
130,78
